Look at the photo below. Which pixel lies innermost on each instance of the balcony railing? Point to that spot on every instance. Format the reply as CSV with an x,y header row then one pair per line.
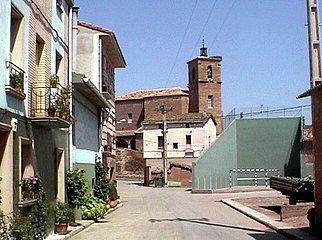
x,y
52,102
16,80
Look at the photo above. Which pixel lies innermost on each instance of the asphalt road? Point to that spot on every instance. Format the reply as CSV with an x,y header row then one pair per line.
x,y
167,213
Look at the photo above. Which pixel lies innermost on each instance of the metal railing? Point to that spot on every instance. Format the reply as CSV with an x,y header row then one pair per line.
x,y
50,102
255,178
268,112
16,76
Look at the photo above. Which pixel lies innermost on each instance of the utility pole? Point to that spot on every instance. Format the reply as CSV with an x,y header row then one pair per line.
x,y
164,112
314,42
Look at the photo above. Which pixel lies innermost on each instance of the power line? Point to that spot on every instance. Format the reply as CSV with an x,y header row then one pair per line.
x,y
223,23
204,27
181,43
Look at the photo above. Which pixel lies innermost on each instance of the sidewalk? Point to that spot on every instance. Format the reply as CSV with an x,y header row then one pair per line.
x,y
72,231
280,227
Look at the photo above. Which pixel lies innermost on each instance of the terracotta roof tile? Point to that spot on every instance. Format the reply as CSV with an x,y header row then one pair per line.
x,y
186,117
140,94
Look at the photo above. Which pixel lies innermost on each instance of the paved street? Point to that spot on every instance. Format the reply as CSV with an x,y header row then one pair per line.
x,y
167,213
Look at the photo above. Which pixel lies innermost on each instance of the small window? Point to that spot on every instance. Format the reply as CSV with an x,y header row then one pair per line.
x,y
193,73
210,101
59,8
187,125
175,145
209,72
188,139
129,118
160,142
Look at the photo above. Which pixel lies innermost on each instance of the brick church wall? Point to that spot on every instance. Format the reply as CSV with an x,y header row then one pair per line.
x,y
317,133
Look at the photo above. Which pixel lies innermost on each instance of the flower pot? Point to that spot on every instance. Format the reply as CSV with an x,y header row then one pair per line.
x,y
51,112
61,228
113,203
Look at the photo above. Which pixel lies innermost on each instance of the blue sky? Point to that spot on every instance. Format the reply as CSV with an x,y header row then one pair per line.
x,y
263,44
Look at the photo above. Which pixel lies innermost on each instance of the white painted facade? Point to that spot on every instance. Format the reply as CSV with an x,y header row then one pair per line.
x,y
201,136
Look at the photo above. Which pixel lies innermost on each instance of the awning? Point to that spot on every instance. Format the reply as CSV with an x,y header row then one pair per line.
x,y
88,89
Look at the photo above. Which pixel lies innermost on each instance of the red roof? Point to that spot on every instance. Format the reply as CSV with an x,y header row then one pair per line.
x,y
140,94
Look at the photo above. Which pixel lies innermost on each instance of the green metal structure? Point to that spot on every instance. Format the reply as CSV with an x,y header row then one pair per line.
x,y
271,143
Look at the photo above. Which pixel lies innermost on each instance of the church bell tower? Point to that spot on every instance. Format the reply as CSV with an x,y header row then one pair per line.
x,y
204,74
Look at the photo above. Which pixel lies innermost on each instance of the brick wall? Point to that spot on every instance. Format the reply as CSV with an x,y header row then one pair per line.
x,y
201,87
129,164
317,142
123,108
178,103
39,29
181,175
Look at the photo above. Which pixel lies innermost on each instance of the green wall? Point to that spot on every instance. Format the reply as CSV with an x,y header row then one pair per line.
x,y
210,170
89,173
250,143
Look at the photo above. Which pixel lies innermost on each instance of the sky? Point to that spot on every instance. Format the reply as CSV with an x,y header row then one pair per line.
x,y
263,44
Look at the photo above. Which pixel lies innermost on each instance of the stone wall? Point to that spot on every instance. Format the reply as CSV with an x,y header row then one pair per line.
x,y
129,164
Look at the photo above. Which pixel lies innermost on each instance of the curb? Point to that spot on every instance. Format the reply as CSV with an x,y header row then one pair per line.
x,y
73,231
279,227
76,230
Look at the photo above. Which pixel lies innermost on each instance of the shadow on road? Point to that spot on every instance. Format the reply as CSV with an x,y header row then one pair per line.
x,y
204,221
265,236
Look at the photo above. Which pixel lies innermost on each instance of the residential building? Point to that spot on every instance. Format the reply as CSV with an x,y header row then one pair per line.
x,y
203,96
97,55
34,46
187,136
135,107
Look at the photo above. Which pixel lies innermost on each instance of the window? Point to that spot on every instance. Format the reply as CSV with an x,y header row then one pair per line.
x,y
175,145
59,8
188,139
40,59
193,73
160,142
59,69
129,118
210,101
209,72
187,125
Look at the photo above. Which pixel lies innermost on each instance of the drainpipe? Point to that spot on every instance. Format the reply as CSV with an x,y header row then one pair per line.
x,y
73,29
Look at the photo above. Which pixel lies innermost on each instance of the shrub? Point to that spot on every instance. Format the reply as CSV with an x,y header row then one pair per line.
x,y
21,228
77,186
101,187
5,226
93,208
40,210
64,213
112,194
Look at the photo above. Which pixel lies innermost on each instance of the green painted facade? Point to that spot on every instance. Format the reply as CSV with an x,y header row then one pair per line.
x,y
250,143
89,173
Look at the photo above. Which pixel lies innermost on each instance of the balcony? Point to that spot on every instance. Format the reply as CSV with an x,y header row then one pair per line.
x,y
50,106
16,81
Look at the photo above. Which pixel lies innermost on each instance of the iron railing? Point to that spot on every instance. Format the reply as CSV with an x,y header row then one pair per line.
x,y
16,76
51,102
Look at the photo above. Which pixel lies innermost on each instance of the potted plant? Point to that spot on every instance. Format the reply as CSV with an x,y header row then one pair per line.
x,y
101,187
77,187
16,81
66,92
26,189
54,80
112,195
63,215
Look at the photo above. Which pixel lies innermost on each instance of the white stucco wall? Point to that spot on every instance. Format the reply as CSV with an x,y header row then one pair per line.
x,y
5,22
201,137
